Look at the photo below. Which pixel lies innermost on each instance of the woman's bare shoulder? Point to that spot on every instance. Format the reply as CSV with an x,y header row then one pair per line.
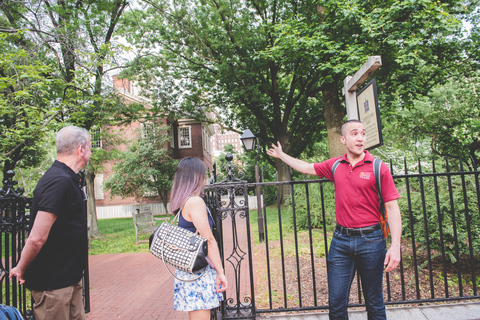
x,y
195,201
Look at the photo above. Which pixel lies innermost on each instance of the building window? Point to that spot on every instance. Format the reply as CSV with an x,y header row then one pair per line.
x,y
185,137
96,138
148,130
172,138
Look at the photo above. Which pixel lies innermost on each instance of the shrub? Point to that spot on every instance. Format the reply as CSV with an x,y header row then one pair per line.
x,y
443,207
314,209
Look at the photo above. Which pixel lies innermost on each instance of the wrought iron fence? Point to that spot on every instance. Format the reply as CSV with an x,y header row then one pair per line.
x,y
287,272
440,245
14,224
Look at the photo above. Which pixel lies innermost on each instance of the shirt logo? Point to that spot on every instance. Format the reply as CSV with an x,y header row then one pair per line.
x,y
365,175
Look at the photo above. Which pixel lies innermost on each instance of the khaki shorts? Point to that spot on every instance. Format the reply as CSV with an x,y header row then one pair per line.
x,y
60,304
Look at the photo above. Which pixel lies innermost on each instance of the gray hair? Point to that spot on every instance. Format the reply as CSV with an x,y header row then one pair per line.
x,y
69,138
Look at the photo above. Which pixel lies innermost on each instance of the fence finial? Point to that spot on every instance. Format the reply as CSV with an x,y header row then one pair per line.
x,y
8,184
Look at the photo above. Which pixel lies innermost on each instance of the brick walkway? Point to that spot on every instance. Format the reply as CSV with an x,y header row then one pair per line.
x,y
134,286
131,286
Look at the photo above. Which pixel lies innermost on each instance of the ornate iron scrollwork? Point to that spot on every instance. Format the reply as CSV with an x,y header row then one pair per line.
x,y
229,199
230,169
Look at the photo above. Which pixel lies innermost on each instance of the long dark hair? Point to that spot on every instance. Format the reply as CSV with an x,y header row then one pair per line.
x,y
189,179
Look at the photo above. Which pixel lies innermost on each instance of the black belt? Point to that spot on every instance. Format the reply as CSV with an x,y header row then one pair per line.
x,y
358,231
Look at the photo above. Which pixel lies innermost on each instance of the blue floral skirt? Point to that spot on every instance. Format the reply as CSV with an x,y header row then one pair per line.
x,y
200,294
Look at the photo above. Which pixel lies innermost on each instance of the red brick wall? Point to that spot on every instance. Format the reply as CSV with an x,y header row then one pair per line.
x,y
197,149
121,83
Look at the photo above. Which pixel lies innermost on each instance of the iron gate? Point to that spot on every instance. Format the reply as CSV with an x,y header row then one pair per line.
x,y
228,203
14,226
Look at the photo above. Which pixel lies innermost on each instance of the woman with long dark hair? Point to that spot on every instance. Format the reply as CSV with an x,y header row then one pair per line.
x,y
199,296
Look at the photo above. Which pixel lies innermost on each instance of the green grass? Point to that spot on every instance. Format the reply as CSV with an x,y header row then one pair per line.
x,y
118,236
272,220
288,234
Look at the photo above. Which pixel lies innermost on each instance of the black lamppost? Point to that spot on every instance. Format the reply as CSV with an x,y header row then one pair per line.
x,y
249,141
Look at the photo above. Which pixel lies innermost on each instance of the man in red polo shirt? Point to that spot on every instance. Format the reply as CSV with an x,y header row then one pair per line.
x,y
358,242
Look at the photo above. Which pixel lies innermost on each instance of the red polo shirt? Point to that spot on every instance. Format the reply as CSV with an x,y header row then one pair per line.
x,y
356,198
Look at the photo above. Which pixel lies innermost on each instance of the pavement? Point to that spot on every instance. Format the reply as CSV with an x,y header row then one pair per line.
x,y
130,286
136,286
456,311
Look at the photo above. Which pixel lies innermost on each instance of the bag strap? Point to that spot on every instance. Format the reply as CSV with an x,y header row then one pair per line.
x,y
334,168
163,259
181,208
376,171
377,163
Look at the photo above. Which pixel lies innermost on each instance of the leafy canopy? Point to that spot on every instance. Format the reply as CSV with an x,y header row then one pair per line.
x,y
27,110
449,119
278,66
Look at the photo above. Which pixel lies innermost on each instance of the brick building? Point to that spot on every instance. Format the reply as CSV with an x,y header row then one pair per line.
x,y
188,138
221,138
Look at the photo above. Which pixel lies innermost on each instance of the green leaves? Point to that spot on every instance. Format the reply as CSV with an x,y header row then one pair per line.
x,y
448,119
54,70
195,58
25,110
258,64
146,169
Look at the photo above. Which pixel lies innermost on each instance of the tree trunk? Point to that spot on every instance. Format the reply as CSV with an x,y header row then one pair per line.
x,y
283,171
334,115
93,230
164,198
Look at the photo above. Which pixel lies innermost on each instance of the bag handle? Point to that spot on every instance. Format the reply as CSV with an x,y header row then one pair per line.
x,y
183,205
181,208
163,259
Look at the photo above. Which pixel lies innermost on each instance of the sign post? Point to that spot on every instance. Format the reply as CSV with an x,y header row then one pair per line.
x,y
369,114
351,84
364,105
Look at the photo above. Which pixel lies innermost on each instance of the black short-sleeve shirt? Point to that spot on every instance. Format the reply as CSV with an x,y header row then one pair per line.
x,y
62,259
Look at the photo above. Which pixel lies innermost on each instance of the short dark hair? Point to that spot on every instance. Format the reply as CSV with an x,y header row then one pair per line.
x,y
347,122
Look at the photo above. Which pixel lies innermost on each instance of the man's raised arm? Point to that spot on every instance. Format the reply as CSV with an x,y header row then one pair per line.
x,y
299,165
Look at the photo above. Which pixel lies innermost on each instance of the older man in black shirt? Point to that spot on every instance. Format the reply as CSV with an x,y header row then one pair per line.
x,y
54,257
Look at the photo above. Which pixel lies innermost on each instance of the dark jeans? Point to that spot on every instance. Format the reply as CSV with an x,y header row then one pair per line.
x,y
365,253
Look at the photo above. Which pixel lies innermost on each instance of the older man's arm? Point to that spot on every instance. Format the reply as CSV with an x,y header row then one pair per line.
x,y
37,238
